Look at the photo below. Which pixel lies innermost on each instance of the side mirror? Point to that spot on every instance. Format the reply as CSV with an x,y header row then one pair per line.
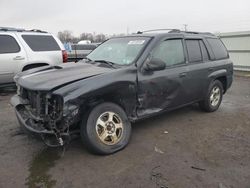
x,y
154,64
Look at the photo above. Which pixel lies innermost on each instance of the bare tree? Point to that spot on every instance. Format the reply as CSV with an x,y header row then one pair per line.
x,y
65,36
87,36
100,38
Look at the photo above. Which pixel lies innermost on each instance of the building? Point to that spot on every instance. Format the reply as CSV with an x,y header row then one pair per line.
x,y
238,45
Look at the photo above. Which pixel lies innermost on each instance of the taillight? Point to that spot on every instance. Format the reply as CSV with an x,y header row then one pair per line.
x,y
65,56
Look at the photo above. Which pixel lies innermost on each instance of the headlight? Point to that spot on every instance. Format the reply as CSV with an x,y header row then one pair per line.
x,y
55,106
70,109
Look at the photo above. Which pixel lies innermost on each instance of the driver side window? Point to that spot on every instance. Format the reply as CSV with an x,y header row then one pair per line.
x,y
170,51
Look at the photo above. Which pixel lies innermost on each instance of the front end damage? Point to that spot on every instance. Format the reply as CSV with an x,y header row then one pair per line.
x,y
47,115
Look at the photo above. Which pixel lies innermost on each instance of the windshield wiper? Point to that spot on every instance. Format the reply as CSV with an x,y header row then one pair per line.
x,y
88,59
105,62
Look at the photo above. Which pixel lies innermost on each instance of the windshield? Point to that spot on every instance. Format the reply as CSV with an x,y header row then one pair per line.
x,y
122,51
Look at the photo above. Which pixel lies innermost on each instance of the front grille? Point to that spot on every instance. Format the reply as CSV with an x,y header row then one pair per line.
x,y
36,101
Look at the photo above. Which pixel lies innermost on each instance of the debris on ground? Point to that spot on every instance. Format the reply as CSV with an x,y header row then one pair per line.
x,y
221,185
165,132
158,178
198,168
158,150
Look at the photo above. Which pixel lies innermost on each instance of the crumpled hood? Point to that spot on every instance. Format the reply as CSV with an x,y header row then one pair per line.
x,y
50,77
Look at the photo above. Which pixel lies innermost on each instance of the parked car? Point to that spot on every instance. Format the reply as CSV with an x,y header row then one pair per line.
x,y
125,79
80,51
22,50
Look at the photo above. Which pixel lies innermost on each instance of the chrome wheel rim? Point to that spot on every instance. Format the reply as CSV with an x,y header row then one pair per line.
x,y
109,128
215,96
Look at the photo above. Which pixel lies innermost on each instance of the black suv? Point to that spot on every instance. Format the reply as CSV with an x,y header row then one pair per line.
x,y
123,80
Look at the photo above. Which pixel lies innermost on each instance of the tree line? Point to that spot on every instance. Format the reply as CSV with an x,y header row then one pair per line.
x,y
67,36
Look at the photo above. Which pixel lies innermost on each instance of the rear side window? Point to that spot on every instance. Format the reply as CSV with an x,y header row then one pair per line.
x,y
170,51
218,48
194,51
8,44
41,42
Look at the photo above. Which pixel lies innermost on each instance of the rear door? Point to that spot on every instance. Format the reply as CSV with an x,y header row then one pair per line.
x,y
12,56
198,69
160,90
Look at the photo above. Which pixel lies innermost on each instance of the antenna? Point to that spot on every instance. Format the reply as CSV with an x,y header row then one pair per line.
x,y
185,27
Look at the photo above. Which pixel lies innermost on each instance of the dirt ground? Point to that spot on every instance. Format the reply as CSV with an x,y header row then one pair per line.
x,y
186,148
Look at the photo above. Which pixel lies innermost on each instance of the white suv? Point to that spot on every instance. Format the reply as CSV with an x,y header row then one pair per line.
x,y
21,50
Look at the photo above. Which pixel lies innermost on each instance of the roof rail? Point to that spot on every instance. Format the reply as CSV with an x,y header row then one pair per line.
x,y
11,29
37,30
147,31
20,30
195,32
175,31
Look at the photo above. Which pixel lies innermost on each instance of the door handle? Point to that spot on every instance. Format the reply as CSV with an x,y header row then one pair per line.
x,y
18,58
183,74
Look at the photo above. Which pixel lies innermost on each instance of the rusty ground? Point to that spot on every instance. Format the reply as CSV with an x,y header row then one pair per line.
x,y
186,148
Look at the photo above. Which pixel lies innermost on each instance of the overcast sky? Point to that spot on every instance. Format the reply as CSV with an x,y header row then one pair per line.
x,y
116,16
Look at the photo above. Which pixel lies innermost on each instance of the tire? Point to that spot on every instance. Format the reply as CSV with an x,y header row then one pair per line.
x,y
216,89
106,130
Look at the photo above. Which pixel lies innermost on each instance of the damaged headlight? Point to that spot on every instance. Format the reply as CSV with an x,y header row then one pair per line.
x,y
70,113
55,106
70,109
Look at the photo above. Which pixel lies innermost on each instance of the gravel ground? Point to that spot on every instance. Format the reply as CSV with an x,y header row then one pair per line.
x,y
181,149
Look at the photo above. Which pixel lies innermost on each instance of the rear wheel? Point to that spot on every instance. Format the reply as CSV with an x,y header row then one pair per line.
x,y
213,98
107,129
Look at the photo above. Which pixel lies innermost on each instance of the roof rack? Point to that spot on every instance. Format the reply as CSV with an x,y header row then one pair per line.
x,y
11,29
195,32
37,30
175,31
191,32
20,30
147,31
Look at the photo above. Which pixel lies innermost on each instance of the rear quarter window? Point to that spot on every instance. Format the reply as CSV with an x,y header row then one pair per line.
x,y
8,44
41,43
218,48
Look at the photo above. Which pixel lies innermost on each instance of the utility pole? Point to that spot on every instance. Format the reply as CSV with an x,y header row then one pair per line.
x,y
185,27
127,30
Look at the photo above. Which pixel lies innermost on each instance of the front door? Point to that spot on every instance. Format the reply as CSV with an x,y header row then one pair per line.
x,y
163,89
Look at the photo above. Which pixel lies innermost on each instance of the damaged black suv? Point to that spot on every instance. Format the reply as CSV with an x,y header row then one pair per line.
x,y
123,80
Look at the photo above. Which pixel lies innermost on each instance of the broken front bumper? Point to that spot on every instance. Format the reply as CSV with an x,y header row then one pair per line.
x,y
26,119
52,137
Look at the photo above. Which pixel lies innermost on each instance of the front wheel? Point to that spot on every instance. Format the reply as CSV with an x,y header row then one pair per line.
x,y
213,98
107,129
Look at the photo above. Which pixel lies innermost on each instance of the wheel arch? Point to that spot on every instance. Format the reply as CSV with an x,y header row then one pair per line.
x,y
223,80
33,65
220,75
